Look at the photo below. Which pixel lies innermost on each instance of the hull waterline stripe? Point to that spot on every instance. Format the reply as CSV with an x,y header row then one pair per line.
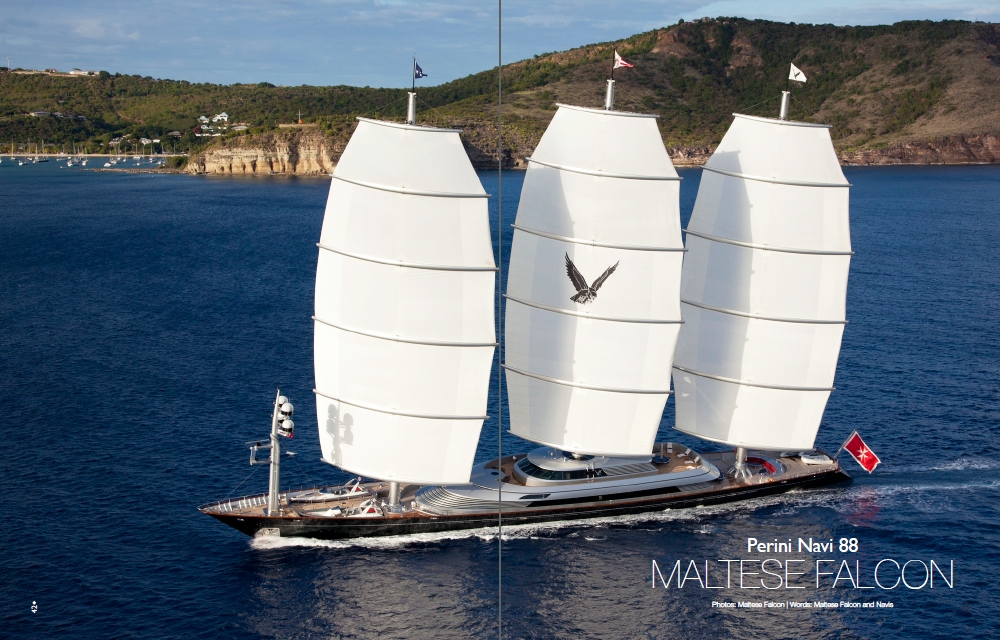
x,y
794,183
601,174
409,192
398,263
589,316
592,243
385,336
757,316
767,247
370,407
410,127
580,385
747,383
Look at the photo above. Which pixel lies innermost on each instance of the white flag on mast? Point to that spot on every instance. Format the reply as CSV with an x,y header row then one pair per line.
x,y
796,74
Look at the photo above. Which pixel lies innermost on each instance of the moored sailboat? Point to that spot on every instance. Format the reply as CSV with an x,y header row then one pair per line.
x,y
597,299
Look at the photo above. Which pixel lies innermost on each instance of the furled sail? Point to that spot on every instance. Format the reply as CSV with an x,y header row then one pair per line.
x,y
764,287
404,324
593,289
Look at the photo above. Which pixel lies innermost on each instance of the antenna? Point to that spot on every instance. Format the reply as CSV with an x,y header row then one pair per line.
x,y
499,318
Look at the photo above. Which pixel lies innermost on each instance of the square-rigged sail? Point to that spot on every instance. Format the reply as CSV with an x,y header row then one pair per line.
x,y
764,287
593,290
404,326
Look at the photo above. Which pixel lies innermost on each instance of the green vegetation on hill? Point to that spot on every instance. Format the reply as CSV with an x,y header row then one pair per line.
x,y
871,83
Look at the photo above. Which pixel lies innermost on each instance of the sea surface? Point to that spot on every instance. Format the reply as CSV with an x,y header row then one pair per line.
x,y
145,321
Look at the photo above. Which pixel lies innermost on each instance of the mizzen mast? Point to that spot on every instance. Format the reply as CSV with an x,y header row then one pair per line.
x,y
764,287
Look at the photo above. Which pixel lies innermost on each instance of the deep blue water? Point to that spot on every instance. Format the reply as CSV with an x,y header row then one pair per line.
x,y
145,321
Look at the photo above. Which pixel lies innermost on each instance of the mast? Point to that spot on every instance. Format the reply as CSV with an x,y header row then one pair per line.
x,y
404,330
593,306
764,288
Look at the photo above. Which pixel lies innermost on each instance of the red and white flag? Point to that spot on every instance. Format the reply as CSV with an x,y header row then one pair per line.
x,y
620,62
860,452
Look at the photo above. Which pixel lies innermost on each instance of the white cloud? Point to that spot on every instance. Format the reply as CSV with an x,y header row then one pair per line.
x,y
89,28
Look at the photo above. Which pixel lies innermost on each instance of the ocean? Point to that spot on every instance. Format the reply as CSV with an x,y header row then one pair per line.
x,y
146,320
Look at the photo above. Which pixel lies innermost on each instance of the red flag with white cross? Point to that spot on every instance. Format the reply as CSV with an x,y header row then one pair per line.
x,y
861,453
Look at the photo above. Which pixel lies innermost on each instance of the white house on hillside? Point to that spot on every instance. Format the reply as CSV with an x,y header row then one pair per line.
x,y
203,119
221,117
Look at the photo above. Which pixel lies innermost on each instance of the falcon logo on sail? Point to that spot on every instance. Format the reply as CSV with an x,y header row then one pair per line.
x,y
586,293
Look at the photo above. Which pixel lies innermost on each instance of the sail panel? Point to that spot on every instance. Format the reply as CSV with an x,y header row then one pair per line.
x,y
644,285
408,157
792,354
772,214
778,150
745,416
777,284
401,376
588,370
404,326
764,288
582,420
609,210
382,299
400,227
597,353
610,141
396,448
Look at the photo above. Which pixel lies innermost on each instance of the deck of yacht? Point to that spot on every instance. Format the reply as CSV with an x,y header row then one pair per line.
x,y
313,503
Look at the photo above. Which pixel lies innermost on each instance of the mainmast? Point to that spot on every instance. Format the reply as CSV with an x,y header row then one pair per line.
x,y
592,295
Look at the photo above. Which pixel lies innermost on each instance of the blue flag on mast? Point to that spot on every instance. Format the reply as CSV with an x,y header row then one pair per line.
x,y
417,71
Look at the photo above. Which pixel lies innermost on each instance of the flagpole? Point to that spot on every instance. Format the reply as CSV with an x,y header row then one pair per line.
x,y
845,444
413,76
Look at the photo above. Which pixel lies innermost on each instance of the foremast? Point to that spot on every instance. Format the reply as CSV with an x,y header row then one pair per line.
x,y
404,333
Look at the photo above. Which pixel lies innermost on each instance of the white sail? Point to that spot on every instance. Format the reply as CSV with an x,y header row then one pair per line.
x,y
593,376
404,324
764,287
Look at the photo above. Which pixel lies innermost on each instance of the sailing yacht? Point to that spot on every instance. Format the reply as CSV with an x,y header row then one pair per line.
x,y
604,306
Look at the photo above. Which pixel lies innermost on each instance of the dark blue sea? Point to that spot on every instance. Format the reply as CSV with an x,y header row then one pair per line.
x,y
145,321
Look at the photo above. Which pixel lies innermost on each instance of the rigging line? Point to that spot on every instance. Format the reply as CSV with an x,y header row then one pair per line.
x,y
256,469
634,100
760,103
802,104
378,108
500,318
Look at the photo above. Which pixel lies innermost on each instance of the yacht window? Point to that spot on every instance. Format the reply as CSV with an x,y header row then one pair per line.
x,y
535,471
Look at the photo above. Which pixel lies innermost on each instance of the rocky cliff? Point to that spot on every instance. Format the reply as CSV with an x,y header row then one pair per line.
x,y
296,152
312,152
977,149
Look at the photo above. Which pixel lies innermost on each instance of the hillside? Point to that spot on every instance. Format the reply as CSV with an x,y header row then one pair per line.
x,y
912,91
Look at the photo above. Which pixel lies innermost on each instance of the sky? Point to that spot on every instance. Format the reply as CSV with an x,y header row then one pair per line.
x,y
371,43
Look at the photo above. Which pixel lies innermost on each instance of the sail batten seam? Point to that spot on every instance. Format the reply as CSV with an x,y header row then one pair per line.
x,y
400,263
384,336
767,247
588,315
749,383
370,407
756,316
602,174
580,385
594,243
408,191
793,183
